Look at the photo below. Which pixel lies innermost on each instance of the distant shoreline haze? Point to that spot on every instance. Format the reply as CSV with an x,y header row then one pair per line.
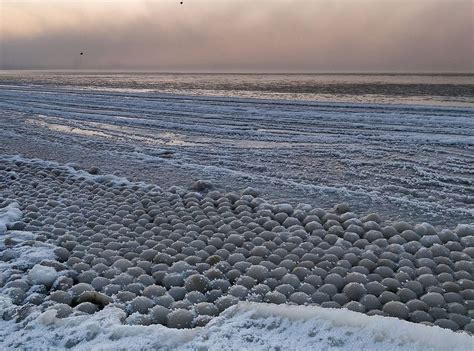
x,y
309,73
239,36
425,89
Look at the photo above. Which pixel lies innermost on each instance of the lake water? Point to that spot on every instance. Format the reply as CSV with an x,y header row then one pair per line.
x,y
422,89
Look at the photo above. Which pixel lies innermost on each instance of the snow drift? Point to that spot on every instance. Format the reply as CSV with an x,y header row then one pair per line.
x,y
246,326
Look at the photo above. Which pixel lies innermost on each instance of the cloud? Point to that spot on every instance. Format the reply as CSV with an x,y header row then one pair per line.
x,y
249,35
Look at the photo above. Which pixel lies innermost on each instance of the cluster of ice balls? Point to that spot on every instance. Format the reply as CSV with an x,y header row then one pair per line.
x,y
179,258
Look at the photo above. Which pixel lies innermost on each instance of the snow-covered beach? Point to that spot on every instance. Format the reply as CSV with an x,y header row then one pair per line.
x,y
126,215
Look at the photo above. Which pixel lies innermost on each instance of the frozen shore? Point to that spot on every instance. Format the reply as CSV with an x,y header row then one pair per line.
x,y
404,162
154,221
97,261
246,326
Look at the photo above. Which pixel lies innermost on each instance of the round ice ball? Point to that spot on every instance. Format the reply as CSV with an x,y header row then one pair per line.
x,y
354,291
173,279
396,309
165,300
152,291
370,302
141,304
79,288
420,317
99,283
61,297
258,272
17,295
125,296
62,310
299,298
122,264
195,297
251,191
42,275
334,279
275,297
159,315
291,279
238,291
447,324
206,308
87,307
197,282
180,319
355,306
433,299
95,297
225,302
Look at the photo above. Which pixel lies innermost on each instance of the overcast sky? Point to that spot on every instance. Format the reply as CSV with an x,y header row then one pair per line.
x,y
238,35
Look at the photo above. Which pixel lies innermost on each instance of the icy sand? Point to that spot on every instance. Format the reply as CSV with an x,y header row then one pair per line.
x,y
69,232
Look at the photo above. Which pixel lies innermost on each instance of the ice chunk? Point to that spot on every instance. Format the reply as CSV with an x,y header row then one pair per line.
x,y
42,275
8,215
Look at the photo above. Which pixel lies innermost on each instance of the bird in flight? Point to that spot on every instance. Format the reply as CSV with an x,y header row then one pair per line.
x,y
82,53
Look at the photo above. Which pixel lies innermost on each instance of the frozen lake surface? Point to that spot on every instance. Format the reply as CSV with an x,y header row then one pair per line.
x,y
408,162
413,163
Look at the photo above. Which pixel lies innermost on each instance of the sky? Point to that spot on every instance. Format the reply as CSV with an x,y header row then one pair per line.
x,y
239,35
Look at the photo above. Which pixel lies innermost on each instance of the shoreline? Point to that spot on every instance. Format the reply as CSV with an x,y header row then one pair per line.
x,y
402,162
81,213
186,223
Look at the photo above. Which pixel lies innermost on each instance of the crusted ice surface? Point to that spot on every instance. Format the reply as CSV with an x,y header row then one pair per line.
x,y
405,161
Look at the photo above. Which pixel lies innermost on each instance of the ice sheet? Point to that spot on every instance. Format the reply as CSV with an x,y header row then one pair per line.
x,y
401,161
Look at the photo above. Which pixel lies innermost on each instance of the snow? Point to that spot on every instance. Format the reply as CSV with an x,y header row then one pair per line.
x,y
42,275
35,253
101,331
22,249
260,326
8,215
25,250
246,326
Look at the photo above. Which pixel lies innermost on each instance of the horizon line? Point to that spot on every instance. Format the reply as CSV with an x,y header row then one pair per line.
x,y
144,70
